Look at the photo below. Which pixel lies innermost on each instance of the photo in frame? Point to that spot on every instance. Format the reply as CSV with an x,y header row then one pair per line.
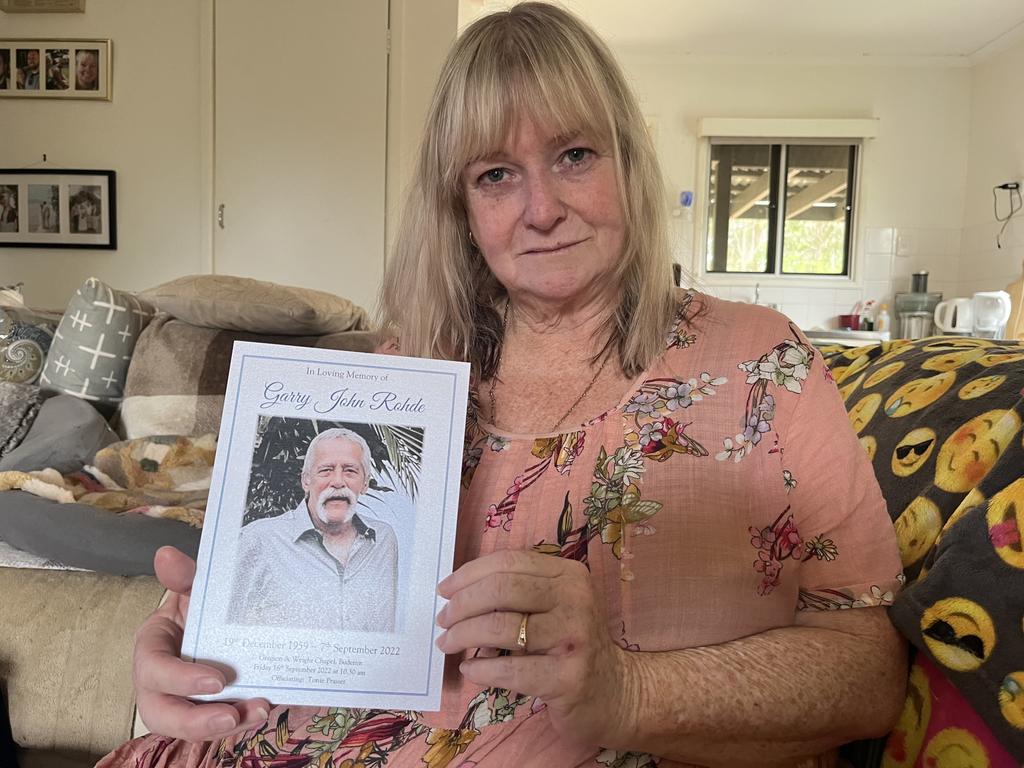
x,y
43,208
55,69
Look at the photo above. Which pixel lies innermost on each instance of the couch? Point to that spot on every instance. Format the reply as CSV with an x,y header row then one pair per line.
x,y
65,636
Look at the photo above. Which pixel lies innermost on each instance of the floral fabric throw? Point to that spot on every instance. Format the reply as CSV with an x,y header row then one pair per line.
x,y
727,475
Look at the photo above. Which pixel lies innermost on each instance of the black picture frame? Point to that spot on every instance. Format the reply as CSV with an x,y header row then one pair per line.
x,y
58,208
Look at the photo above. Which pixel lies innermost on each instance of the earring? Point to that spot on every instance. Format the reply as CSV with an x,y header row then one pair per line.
x,y
472,240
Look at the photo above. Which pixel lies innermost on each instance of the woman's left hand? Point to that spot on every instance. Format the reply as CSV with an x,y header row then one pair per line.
x,y
570,662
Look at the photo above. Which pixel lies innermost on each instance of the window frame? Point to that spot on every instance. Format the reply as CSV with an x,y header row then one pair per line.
x,y
793,130
779,158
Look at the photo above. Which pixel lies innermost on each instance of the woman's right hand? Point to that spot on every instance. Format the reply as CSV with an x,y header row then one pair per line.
x,y
163,681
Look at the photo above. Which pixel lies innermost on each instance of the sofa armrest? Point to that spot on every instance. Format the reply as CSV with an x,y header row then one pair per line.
x,y
66,656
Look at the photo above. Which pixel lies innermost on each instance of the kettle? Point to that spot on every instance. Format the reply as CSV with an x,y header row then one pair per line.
x,y
955,316
991,311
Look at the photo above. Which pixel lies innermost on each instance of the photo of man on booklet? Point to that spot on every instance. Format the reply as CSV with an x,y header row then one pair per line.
x,y
313,551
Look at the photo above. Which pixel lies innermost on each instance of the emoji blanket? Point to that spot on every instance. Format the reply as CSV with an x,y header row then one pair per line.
x,y
942,419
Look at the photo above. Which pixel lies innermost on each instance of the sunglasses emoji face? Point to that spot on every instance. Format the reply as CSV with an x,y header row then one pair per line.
x,y
959,633
913,451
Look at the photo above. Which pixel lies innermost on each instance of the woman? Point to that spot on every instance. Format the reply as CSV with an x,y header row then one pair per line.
x,y
661,491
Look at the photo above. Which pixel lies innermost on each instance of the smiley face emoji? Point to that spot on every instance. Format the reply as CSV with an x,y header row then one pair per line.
x,y
957,345
848,389
959,633
999,358
1005,516
913,451
980,386
970,452
971,500
917,528
891,349
904,745
949,361
870,446
864,411
955,748
918,394
1011,699
883,373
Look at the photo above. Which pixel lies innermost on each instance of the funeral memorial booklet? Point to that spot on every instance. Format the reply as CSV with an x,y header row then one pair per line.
x,y
331,519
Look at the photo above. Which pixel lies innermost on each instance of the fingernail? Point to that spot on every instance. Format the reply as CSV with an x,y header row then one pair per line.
x,y
222,722
440,641
440,616
209,685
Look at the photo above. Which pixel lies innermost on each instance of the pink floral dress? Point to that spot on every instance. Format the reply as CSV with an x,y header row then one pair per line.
x,y
728,475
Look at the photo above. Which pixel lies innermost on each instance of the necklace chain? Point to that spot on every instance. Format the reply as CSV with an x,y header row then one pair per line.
x,y
497,367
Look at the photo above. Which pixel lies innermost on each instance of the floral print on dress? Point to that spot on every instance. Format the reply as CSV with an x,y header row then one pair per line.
x,y
785,366
843,599
781,541
560,451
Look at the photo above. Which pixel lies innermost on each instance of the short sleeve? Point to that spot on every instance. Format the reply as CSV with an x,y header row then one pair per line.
x,y
851,557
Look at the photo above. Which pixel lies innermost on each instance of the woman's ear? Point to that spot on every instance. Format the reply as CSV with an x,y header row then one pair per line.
x,y
389,346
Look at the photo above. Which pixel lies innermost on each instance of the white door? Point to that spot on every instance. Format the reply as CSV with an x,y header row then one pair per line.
x,y
299,157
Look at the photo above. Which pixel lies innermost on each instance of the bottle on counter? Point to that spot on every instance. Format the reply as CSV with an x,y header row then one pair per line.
x,y
882,319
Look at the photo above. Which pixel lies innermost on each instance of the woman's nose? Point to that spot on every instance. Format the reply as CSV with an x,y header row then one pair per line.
x,y
544,205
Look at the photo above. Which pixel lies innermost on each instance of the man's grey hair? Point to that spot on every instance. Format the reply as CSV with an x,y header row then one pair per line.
x,y
338,433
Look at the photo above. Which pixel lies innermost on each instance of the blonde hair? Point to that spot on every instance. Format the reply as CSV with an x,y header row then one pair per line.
x,y
540,62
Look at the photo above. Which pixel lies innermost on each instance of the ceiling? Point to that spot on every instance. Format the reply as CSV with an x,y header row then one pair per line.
x,y
914,28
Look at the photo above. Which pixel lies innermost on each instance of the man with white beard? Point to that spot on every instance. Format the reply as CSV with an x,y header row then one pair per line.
x,y
320,564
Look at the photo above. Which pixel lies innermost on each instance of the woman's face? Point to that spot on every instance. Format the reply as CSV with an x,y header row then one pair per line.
x,y
86,69
546,215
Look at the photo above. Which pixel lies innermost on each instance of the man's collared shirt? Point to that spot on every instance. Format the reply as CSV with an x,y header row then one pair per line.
x,y
285,577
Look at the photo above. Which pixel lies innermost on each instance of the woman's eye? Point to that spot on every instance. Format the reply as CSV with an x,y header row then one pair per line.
x,y
493,176
577,155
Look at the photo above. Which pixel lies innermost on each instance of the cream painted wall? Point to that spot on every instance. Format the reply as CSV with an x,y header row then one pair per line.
x,y
912,177
150,134
421,34
996,155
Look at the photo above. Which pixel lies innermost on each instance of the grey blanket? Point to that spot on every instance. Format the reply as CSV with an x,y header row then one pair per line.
x,y
19,404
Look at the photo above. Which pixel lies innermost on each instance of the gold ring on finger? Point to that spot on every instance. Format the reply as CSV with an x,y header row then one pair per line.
x,y
521,638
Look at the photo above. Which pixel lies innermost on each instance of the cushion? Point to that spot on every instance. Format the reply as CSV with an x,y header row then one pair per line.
x,y
19,406
25,338
179,373
942,419
94,342
242,304
66,434
87,537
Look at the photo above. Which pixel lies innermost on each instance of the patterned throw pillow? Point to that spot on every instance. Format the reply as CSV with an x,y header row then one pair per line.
x,y
93,345
25,337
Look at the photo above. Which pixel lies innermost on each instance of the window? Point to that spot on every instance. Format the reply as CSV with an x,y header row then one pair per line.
x,y
788,209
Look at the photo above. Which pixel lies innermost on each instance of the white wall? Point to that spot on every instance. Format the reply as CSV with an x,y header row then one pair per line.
x,y
996,155
912,177
150,134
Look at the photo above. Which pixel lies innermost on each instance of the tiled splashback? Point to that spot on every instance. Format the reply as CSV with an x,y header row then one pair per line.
x,y
891,256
